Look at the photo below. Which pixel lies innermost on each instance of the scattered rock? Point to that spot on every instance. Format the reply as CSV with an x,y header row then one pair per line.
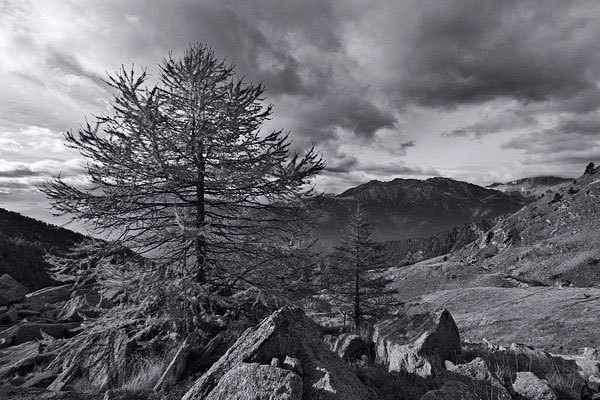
x,y
27,331
287,331
256,381
477,373
532,387
418,343
11,291
350,347
51,295
293,364
451,390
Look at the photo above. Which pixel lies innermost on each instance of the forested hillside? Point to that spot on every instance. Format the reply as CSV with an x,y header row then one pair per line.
x,y
23,243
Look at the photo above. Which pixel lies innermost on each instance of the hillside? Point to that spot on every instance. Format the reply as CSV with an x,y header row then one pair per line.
x,y
411,208
532,277
531,188
23,243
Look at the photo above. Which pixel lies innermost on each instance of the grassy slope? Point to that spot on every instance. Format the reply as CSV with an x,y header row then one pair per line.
x,y
507,287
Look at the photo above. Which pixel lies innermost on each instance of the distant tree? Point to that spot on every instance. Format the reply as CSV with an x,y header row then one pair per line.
x,y
357,267
590,168
181,173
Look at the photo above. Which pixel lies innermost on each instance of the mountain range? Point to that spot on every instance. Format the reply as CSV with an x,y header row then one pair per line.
x,y
411,208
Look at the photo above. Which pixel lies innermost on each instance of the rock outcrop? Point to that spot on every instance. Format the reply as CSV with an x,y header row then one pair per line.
x,y
287,332
256,381
417,343
11,291
533,388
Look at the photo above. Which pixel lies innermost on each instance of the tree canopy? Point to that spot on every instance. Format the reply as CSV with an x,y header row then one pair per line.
x,y
181,172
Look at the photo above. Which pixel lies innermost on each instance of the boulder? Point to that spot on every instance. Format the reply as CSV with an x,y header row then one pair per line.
x,y
477,373
11,291
451,390
51,295
418,343
287,331
256,381
27,331
350,347
533,388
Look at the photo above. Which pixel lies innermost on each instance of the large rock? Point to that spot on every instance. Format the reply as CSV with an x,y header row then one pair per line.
x,y
257,382
451,390
51,295
287,332
417,343
27,331
533,388
11,291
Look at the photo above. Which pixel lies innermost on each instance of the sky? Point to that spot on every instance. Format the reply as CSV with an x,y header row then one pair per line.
x,y
480,91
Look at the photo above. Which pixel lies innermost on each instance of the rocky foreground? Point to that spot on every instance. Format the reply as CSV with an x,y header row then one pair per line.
x,y
286,356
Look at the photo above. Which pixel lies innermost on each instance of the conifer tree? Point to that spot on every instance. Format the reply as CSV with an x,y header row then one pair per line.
x,y
357,267
181,173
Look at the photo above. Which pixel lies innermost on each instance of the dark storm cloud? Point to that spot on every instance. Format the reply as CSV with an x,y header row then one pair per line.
x,y
471,51
341,163
513,119
18,172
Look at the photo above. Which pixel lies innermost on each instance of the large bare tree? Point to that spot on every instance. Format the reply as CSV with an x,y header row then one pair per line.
x,y
181,172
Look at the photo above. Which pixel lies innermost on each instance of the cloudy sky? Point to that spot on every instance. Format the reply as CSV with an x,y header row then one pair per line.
x,y
475,90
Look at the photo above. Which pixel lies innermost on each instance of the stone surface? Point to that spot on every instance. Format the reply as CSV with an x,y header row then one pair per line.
x,y
11,291
51,295
477,374
418,343
287,331
350,347
293,364
451,390
257,382
533,388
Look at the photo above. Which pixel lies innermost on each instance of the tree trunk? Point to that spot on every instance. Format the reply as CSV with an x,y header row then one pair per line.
x,y
357,299
200,220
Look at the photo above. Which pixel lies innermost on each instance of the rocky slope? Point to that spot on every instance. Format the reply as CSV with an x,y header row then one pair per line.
x,y
409,208
534,277
531,188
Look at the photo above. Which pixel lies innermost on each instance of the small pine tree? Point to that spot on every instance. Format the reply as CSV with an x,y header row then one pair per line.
x,y
357,267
